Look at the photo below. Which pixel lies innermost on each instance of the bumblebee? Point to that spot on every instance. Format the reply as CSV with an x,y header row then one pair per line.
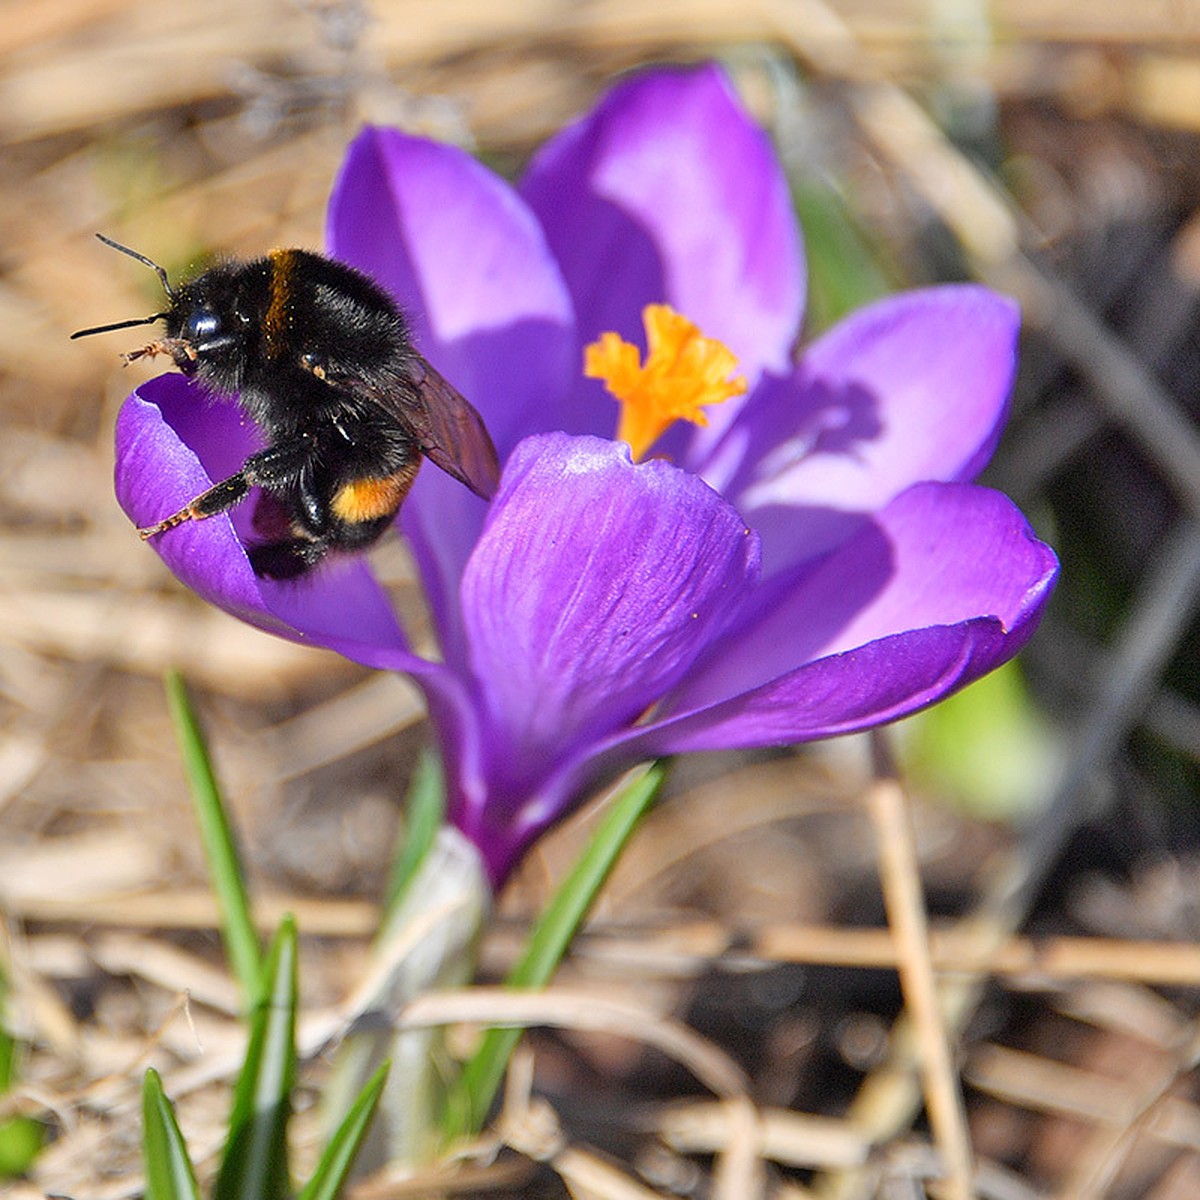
x,y
322,360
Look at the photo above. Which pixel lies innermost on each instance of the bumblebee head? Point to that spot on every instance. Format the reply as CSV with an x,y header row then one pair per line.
x,y
209,327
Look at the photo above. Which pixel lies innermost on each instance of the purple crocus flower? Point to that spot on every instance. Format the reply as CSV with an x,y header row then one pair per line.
x,y
812,561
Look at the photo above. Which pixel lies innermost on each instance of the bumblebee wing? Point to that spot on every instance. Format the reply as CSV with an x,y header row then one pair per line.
x,y
451,433
447,428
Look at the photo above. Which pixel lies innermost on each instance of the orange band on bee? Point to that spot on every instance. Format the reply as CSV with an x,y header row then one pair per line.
x,y
371,498
278,314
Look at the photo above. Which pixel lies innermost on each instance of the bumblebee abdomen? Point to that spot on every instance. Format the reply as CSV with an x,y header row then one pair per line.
x,y
372,497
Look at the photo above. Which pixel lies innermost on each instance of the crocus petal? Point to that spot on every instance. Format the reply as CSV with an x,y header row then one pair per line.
x,y
467,261
595,585
946,583
668,191
173,441
911,388
844,693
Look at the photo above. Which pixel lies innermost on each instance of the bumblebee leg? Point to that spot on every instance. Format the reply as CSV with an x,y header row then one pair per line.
x,y
282,463
273,467
166,345
218,498
288,559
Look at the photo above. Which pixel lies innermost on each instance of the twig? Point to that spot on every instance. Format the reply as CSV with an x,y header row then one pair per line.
x,y
905,902
572,1010
683,951
1097,1165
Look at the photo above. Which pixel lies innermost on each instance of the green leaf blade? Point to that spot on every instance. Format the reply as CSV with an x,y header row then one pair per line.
x,y
220,846
424,814
21,1141
21,1138
169,1171
255,1163
337,1161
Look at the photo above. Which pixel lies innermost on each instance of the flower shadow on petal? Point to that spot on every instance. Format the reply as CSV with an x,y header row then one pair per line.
x,y
785,420
941,586
672,158
781,427
773,638
911,388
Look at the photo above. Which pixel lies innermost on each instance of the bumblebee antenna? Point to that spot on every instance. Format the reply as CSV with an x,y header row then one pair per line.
x,y
118,325
148,262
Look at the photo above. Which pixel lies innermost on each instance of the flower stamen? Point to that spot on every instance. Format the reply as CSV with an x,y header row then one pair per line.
x,y
684,373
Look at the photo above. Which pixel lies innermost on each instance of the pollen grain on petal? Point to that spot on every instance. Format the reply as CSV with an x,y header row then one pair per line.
x,y
684,373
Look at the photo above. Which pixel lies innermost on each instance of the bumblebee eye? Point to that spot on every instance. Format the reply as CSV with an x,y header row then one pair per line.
x,y
201,326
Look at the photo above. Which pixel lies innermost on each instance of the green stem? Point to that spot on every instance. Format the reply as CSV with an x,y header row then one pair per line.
x,y
548,943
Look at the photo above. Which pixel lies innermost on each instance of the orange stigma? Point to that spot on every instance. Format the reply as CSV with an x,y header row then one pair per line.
x,y
683,374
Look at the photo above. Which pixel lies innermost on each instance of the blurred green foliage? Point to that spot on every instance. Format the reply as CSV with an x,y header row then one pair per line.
x,y
986,750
